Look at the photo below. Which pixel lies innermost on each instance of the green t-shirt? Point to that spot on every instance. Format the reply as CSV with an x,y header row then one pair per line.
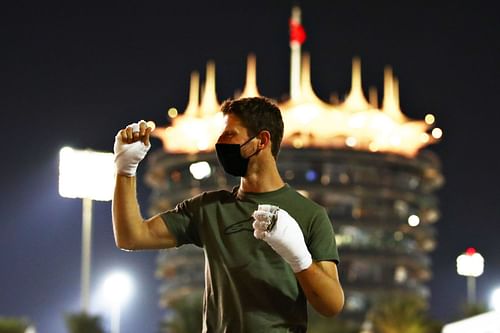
x,y
248,286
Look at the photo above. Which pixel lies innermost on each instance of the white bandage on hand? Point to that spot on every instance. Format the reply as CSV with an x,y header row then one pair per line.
x,y
285,236
128,155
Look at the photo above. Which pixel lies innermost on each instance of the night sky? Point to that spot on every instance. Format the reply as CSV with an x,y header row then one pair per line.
x,y
73,74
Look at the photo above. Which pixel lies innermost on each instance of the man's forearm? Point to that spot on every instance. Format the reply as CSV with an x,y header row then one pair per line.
x,y
126,213
322,289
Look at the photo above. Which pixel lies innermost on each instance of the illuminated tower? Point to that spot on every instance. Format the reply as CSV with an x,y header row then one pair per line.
x,y
364,163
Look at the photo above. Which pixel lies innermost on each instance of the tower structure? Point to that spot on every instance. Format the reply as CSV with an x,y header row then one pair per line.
x,y
364,163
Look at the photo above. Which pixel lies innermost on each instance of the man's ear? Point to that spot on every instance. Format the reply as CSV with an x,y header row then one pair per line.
x,y
264,138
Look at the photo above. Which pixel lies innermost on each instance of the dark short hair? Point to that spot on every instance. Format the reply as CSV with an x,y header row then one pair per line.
x,y
258,114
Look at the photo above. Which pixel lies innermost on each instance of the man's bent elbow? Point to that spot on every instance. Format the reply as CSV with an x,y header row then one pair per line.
x,y
125,244
332,308
336,310
125,233
124,241
332,311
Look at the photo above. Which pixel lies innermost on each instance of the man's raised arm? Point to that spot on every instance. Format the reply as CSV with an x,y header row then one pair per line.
x,y
131,231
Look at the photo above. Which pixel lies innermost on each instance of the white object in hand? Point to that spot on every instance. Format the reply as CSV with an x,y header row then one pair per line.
x,y
285,237
128,155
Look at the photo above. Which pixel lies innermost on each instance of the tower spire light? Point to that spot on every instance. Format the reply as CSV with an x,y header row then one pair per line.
x,y
297,38
251,89
193,106
356,100
209,103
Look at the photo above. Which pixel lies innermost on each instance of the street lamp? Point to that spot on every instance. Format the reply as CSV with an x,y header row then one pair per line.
x,y
471,265
117,288
88,175
495,300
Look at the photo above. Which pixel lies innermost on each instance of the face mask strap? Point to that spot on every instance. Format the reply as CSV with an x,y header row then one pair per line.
x,y
253,137
256,151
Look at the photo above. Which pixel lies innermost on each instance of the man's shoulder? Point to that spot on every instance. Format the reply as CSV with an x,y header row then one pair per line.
x,y
208,197
300,197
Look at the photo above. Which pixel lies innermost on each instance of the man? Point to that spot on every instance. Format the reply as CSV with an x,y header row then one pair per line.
x,y
263,263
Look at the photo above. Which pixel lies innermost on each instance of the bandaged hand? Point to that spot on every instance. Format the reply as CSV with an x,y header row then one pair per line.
x,y
278,229
131,146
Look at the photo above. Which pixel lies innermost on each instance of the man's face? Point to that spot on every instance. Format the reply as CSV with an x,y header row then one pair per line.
x,y
234,131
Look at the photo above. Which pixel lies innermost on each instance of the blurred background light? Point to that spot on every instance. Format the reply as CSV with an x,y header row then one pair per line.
x,y
200,170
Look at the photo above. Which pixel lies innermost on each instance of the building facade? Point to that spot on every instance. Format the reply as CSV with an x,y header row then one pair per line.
x,y
382,206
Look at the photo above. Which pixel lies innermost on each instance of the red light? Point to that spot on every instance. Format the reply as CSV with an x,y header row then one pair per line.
x,y
470,251
297,32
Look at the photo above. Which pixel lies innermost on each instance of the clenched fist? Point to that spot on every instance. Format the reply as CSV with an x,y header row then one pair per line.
x,y
131,146
278,229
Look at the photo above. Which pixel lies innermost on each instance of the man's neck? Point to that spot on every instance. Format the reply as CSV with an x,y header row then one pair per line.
x,y
264,179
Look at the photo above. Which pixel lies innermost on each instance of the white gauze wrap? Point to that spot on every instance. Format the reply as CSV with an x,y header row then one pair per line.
x,y
128,155
278,229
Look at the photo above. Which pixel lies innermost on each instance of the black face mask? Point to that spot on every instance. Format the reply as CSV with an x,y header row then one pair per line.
x,y
229,156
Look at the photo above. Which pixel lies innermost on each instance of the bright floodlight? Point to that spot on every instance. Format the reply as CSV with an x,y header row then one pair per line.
x,y
30,329
117,287
200,170
495,300
471,263
86,174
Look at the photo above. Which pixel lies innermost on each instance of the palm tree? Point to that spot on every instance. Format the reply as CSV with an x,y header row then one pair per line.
x,y
474,309
398,312
83,323
13,325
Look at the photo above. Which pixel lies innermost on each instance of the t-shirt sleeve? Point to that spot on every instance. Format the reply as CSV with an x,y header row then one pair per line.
x,y
321,240
183,222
